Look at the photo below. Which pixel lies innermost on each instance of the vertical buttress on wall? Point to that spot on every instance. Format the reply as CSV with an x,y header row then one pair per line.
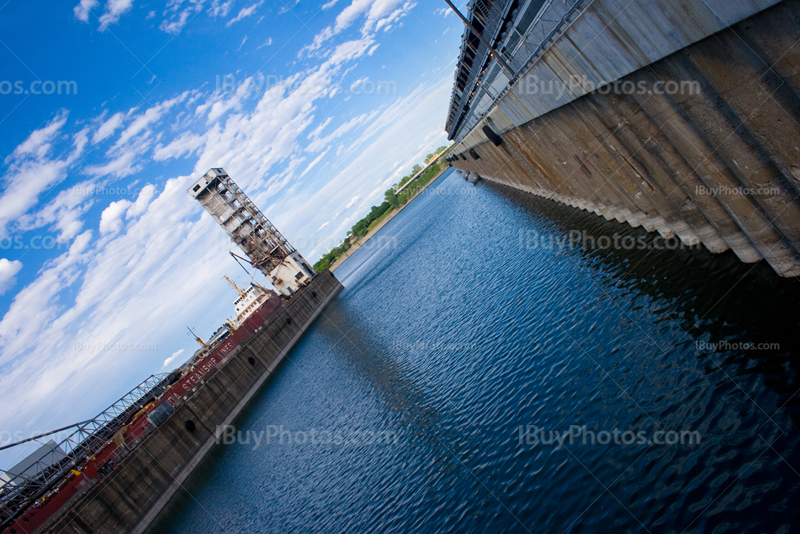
x,y
702,145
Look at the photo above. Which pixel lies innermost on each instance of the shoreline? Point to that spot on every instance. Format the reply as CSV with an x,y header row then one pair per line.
x,y
341,259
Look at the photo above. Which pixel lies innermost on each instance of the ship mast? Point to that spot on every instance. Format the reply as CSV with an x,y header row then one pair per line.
x,y
196,337
241,293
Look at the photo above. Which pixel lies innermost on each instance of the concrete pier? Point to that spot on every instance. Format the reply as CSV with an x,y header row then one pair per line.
x,y
679,117
129,498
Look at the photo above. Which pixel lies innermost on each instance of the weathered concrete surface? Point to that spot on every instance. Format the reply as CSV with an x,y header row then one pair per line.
x,y
719,166
130,497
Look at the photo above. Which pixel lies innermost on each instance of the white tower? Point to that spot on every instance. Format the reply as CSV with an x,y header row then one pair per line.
x,y
267,249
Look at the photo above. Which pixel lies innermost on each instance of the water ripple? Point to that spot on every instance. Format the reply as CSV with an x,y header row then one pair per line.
x,y
460,338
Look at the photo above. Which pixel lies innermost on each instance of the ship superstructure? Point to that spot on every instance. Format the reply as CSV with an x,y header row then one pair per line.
x,y
36,488
267,250
248,301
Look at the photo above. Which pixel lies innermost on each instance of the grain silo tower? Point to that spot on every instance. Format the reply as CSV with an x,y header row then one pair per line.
x,y
266,248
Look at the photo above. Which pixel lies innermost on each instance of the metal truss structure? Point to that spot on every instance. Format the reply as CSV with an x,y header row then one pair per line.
x,y
243,221
19,490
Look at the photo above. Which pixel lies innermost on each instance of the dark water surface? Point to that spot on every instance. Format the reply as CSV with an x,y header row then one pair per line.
x,y
460,329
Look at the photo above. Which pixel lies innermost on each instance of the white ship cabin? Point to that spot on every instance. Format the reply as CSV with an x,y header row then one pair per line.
x,y
248,301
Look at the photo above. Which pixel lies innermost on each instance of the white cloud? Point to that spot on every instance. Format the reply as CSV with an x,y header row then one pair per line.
x,y
178,13
382,13
113,11
268,42
219,8
329,5
125,164
351,13
222,105
142,201
113,288
33,310
175,25
350,50
313,164
30,172
83,9
134,141
120,298
315,133
111,219
320,143
38,143
185,145
357,83
144,120
8,273
390,136
108,128
375,12
244,13
172,358
63,212
343,21
242,44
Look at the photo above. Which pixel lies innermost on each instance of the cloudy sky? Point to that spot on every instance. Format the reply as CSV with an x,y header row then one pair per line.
x,y
110,109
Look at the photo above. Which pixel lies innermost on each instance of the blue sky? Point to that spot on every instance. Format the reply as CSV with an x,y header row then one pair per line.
x,y
314,108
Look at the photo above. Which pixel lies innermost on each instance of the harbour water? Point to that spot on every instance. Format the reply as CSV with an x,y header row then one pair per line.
x,y
488,368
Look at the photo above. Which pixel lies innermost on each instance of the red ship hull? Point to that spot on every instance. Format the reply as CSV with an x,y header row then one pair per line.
x,y
140,424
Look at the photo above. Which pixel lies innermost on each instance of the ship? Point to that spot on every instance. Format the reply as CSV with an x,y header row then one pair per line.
x,y
42,483
108,474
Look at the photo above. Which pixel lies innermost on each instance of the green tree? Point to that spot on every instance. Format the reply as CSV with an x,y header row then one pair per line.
x,y
390,197
322,264
391,200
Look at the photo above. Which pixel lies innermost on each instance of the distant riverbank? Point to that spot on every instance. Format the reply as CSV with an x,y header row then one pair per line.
x,y
380,224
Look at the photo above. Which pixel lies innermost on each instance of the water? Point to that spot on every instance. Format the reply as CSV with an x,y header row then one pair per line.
x,y
459,330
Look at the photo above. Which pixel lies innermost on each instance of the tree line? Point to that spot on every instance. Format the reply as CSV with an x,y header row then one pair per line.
x,y
391,202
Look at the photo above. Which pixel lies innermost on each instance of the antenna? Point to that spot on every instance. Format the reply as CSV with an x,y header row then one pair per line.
x,y
196,337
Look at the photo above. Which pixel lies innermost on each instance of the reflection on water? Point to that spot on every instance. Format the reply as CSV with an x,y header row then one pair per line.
x,y
513,364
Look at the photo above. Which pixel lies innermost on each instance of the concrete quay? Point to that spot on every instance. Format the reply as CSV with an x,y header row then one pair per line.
x,y
130,498
682,118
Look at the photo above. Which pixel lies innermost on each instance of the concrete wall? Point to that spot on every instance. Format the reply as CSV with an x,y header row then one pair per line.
x,y
130,497
599,42
719,166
